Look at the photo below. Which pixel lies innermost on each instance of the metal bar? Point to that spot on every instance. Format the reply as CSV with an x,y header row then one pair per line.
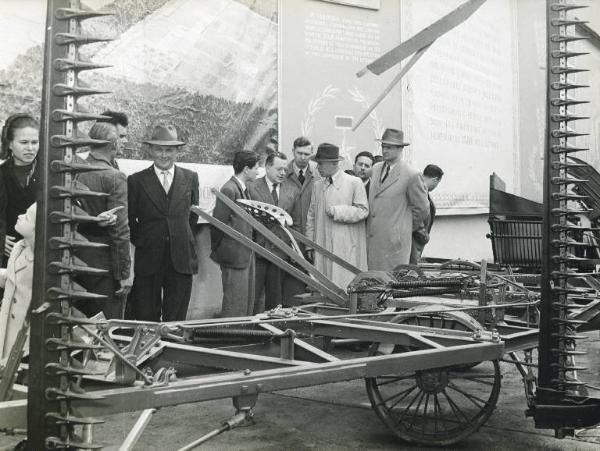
x,y
331,294
276,241
137,430
330,255
304,345
206,388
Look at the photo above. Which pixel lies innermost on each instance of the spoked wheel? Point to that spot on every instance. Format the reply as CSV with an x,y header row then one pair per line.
x,y
434,407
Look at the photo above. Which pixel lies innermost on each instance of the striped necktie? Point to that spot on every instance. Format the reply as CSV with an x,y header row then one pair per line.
x,y
386,172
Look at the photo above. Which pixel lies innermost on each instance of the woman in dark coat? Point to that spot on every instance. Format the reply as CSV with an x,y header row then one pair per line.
x,y
18,175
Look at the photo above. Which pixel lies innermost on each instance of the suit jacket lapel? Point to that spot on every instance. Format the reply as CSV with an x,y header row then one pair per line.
x,y
392,177
239,188
154,189
177,187
264,191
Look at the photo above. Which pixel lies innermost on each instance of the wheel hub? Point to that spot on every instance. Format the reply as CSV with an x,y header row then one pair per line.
x,y
432,381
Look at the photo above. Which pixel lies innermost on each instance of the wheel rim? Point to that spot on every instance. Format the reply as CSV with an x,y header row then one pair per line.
x,y
438,406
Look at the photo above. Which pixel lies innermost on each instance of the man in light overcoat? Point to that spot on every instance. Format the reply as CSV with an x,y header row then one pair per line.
x,y
398,204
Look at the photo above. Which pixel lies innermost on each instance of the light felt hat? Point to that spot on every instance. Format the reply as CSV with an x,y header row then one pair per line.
x,y
164,135
393,137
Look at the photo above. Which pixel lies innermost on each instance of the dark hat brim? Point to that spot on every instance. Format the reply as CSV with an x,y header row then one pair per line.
x,y
328,159
164,143
393,143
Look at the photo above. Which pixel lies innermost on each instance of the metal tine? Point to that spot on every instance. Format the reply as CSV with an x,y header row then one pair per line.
x,y
568,85
58,318
57,344
64,115
72,419
79,39
74,293
76,240
567,118
57,368
568,149
76,266
568,38
568,69
569,258
569,243
569,367
61,166
572,322
70,443
76,215
559,165
62,192
567,22
62,90
567,351
567,102
73,141
64,65
568,382
568,211
567,54
566,181
80,14
569,337
567,133
565,7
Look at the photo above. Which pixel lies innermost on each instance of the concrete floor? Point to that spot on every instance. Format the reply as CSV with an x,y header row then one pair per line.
x,y
338,417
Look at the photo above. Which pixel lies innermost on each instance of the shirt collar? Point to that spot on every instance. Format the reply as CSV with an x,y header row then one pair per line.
x,y
241,183
270,183
297,169
100,156
159,172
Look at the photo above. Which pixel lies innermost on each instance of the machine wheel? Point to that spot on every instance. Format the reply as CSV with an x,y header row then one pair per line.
x,y
434,407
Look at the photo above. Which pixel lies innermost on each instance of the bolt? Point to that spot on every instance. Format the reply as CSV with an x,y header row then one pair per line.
x,y
247,372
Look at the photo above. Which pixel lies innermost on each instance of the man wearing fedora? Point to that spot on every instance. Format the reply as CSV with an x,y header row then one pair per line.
x,y
336,216
398,205
162,226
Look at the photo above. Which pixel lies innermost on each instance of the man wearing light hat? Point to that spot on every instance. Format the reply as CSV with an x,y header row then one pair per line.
x,y
161,226
398,204
336,216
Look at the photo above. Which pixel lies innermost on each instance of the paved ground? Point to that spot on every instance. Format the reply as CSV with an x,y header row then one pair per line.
x,y
337,417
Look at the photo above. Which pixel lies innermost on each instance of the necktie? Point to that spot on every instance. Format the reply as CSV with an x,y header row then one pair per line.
x,y
246,194
301,177
386,172
274,194
330,179
166,183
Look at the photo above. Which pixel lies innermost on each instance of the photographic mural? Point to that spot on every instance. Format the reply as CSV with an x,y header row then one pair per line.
x,y
208,67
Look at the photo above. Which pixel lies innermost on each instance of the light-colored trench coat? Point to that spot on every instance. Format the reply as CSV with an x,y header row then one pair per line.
x,y
397,207
17,296
344,234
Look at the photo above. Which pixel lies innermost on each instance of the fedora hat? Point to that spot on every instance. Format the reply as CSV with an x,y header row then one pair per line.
x,y
393,137
164,135
328,152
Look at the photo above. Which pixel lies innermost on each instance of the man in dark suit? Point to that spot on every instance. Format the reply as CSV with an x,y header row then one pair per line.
x,y
273,189
162,226
235,259
432,175
363,163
